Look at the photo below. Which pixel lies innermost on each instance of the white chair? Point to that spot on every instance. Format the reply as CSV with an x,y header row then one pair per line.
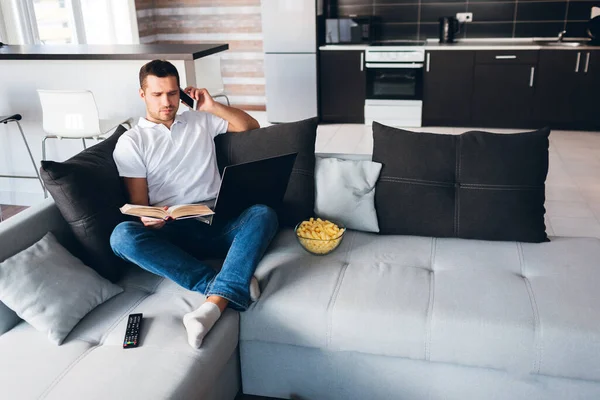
x,y
16,118
208,76
72,114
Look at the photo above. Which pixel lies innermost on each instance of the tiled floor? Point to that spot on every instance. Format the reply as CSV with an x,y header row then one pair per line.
x,y
572,186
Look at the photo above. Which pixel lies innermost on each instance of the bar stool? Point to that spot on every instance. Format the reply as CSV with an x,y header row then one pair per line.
x,y
73,114
208,76
16,118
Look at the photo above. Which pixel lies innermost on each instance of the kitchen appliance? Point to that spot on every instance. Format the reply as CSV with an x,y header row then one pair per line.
x,y
449,27
357,29
395,83
290,46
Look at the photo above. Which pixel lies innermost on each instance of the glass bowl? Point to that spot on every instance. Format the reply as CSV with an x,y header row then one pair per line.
x,y
320,247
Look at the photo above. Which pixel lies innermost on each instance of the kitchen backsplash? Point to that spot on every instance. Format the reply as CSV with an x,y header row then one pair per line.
x,y
418,19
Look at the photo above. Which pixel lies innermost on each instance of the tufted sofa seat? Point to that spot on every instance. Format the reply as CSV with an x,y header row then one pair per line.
x,y
91,363
384,315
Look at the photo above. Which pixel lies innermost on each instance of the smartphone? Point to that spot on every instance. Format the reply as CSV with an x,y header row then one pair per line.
x,y
187,100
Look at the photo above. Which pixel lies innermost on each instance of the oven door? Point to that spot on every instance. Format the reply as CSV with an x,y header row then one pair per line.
x,y
394,81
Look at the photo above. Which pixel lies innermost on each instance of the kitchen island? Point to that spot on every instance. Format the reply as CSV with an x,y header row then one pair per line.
x,y
110,72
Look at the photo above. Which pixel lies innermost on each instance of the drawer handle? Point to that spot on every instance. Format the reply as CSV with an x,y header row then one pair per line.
x,y
577,62
428,61
508,57
531,76
587,63
362,61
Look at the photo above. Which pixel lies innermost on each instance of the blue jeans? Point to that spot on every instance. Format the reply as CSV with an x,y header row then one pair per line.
x,y
175,251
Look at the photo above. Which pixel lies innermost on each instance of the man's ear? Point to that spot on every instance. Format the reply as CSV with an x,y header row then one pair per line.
x,y
142,94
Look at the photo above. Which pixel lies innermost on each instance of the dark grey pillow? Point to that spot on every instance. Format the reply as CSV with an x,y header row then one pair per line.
x,y
299,199
88,192
477,185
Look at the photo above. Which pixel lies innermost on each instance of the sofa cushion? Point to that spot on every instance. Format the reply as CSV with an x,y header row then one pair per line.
x,y
528,308
299,198
51,289
477,185
23,230
91,363
88,192
345,192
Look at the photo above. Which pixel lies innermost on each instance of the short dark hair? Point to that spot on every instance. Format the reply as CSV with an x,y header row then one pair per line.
x,y
159,68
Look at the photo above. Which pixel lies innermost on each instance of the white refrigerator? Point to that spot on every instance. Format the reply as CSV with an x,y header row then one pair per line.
x,y
290,46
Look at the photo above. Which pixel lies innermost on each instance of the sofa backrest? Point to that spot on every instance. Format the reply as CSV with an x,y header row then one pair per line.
x,y
23,230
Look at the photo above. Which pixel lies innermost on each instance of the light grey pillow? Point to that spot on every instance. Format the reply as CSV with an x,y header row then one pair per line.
x,y
345,192
51,289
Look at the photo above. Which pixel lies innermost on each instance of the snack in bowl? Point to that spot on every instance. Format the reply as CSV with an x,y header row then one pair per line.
x,y
319,236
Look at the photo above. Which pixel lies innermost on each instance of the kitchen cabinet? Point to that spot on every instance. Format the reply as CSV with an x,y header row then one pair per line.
x,y
342,86
586,101
448,87
504,88
556,87
567,88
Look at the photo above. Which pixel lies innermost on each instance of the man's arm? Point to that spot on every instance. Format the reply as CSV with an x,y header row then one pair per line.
x,y
238,120
137,188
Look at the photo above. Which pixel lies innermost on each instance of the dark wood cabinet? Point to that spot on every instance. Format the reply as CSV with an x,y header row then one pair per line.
x,y
448,87
586,100
556,87
567,87
343,86
504,89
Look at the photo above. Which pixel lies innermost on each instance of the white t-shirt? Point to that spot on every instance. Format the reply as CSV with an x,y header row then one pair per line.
x,y
179,164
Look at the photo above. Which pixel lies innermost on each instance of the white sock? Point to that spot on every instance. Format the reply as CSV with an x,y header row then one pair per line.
x,y
199,322
254,289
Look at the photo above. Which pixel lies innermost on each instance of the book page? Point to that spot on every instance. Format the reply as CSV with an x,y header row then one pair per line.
x,y
188,210
144,211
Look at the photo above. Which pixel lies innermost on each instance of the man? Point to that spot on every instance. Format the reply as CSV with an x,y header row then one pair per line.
x,y
169,159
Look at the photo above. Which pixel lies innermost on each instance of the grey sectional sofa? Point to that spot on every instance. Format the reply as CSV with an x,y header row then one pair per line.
x,y
401,317
91,363
383,317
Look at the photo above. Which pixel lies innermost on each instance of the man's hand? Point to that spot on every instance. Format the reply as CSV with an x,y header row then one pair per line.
x,y
238,120
153,223
204,99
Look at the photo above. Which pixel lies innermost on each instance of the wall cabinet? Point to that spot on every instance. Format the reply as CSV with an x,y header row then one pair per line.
x,y
342,86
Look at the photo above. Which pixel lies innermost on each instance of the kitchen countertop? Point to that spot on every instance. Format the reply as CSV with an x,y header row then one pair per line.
x,y
338,47
111,52
481,44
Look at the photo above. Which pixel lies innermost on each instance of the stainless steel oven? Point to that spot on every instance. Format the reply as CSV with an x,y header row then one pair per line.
x,y
394,85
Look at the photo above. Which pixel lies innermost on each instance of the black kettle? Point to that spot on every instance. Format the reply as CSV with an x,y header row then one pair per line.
x,y
449,27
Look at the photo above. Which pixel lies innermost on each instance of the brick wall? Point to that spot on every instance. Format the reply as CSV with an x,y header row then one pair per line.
x,y
237,22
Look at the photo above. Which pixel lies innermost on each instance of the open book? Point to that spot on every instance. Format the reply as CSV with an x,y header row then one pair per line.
x,y
182,211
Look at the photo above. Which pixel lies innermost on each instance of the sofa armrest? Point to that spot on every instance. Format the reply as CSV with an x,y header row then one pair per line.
x,y
23,230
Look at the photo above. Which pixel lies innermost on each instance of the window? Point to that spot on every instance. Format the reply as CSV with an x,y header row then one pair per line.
x,y
55,21
68,21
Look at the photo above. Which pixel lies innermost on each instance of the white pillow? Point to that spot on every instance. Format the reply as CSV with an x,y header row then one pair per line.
x,y
345,192
51,289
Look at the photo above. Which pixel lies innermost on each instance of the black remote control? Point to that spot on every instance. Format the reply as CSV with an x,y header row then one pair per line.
x,y
132,334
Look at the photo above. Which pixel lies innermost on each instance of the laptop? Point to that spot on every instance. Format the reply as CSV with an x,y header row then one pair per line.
x,y
257,182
